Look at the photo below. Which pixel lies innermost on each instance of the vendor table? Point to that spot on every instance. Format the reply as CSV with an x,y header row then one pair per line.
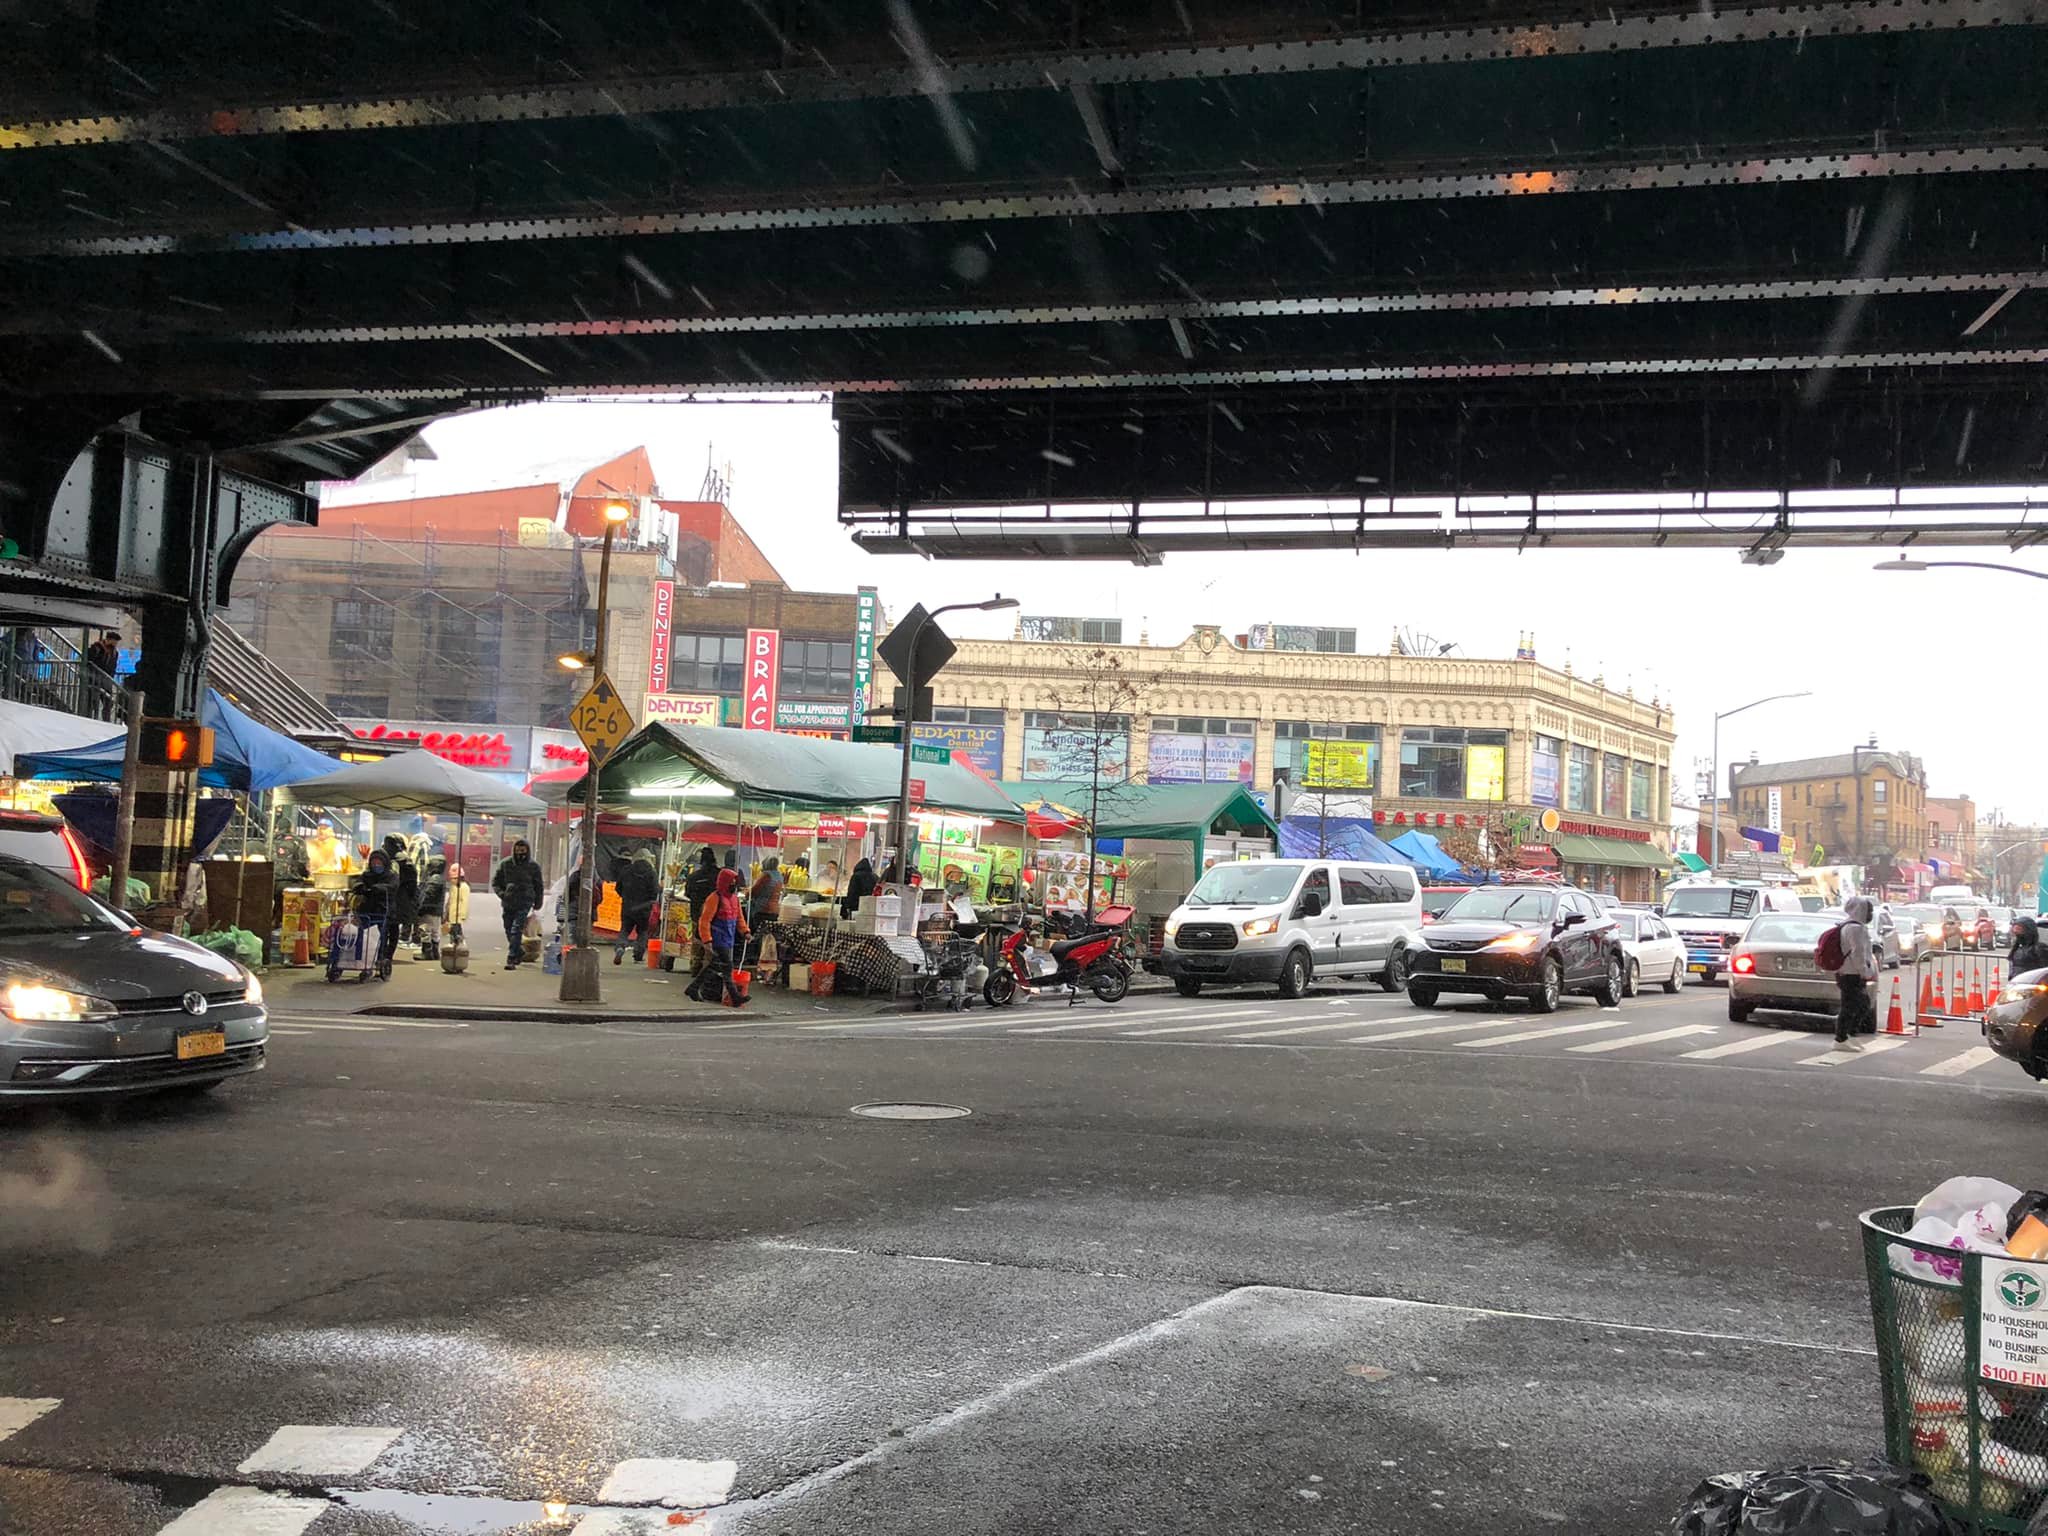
x,y
868,963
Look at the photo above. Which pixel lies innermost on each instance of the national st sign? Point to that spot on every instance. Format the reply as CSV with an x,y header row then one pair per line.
x,y
600,719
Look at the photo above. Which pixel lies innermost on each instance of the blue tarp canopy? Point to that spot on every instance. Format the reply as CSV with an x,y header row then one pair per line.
x,y
1336,837
246,756
1424,851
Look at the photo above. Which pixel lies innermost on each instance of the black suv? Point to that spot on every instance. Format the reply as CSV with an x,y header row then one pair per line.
x,y
1532,941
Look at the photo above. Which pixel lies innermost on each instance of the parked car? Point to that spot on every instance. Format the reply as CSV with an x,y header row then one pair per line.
x,y
1531,941
1436,899
1289,920
1655,957
1772,966
91,1004
44,841
2012,1024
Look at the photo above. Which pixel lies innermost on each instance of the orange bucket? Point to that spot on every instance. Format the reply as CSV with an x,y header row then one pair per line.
x,y
824,973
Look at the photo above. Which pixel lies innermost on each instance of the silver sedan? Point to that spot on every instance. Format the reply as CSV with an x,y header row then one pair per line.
x,y
1772,966
91,1004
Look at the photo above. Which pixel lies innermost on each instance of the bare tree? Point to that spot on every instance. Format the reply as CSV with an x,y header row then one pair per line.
x,y
1100,698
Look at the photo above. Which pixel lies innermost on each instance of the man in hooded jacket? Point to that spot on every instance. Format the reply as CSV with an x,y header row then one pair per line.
x,y
2028,952
520,889
1857,1014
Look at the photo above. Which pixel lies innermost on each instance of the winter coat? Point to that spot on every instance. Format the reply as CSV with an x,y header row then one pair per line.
x,y
375,891
1857,957
701,881
638,887
720,922
518,884
2028,952
457,903
862,883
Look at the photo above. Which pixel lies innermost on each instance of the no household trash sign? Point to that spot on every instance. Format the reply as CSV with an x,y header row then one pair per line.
x,y
2012,1328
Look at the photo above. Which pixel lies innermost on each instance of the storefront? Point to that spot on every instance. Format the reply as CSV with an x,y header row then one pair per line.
x,y
1617,861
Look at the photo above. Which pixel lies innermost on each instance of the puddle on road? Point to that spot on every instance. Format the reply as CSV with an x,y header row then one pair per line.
x,y
460,1514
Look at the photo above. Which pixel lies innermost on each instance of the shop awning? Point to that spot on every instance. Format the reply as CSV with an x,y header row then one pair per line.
x,y
1615,852
1691,863
246,756
801,772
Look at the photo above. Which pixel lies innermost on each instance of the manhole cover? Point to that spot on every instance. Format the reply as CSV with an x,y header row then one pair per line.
x,y
911,1111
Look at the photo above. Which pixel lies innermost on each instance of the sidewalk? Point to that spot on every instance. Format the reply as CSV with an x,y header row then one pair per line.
x,y
420,988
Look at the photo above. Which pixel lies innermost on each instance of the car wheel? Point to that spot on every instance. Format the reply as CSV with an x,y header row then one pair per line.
x,y
1188,986
1294,975
1738,1013
1633,981
1677,977
1422,996
1546,997
1395,976
1608,993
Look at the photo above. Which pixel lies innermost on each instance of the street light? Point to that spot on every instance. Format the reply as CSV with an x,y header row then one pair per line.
x,y
579,967
1714,799
1903,563
903,825
572,661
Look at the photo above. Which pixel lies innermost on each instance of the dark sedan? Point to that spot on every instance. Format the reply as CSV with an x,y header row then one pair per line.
x,y
1536,942
2012,1024
91,1004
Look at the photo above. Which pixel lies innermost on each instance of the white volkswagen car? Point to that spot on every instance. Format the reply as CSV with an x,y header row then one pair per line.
x,y
1656,958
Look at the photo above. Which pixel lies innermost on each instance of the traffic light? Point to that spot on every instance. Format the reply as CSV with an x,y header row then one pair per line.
x,y
183,746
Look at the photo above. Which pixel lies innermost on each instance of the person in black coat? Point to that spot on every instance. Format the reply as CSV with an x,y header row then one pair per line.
x,y
701,881
639,888
373,897
2028,952
861,883
520,891
405,909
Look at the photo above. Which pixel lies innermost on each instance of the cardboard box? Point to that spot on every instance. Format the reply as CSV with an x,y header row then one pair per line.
x,y
799,977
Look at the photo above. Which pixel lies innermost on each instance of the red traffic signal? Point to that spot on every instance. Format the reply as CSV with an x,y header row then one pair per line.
x,y
183,746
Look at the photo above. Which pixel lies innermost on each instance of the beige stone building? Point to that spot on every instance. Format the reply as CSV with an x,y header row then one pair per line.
x,y
1496,742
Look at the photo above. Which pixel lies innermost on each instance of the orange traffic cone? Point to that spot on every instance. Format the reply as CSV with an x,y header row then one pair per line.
x,y
1975,1002
302,950
1926,992
1940,1007
1895,1020
654,954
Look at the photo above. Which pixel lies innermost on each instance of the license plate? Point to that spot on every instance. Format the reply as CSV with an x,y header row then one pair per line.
x,y
1455,967
1697,969
202,1042
1798,968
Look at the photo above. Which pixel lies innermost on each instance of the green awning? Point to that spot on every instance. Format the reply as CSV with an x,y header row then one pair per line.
x,y
1691,863
1615,852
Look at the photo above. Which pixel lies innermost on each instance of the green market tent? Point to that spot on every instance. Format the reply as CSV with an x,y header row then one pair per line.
x,y
800,772
1173,812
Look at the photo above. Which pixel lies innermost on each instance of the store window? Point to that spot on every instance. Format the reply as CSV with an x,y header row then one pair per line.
x,y
1639,791
1452,763
1546,769
1582,782
1077,748
1614,786
711,664
816,668
1312,754
362,627
1199,749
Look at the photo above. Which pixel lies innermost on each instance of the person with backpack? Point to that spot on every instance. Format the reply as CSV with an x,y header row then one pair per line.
x,y
1845,949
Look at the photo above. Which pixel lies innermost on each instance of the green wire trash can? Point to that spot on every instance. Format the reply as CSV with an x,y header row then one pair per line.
x,y
1965,1391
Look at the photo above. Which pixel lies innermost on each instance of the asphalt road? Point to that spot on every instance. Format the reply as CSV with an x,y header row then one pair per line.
x,y
1229,1264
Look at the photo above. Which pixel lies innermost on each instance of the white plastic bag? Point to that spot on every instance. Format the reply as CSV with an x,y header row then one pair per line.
x,y
1952,1199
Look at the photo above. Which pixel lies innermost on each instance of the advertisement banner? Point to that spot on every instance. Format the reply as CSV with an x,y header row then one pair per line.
x,y
554,751
983,744
1776,821
797,714
1073,756
1486,773
866,616
1173,759
682,708
1339,764
660,630
762,679
1543,774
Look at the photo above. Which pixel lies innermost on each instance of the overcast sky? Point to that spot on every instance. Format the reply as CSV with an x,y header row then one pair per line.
x,y
1925,662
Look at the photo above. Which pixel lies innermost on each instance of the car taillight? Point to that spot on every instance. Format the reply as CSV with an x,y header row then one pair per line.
x,y
81,871
1744,964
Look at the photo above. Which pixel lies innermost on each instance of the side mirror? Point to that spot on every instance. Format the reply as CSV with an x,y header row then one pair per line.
x,y
1657,910
1573,919
1311,905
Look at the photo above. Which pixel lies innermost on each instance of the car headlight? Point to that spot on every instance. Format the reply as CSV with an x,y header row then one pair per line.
x,y
252,991
1519,942
34,1002
1172,927
1259,925
2018,994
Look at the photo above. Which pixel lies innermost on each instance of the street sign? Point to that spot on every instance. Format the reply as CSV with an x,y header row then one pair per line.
x,y
600,719
921,753
934,649
917,791
891,735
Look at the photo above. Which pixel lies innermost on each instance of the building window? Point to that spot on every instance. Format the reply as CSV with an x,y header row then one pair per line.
x,y
1614,786
1638,791
1077,748
1313,755
1546,770
946,714
711,664
1072,631
1877,789
1809,794
362,627
1582,783
1199,749
360,706
1452,763
818,668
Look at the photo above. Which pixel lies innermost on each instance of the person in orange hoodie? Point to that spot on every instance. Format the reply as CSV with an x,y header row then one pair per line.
x,y
722,925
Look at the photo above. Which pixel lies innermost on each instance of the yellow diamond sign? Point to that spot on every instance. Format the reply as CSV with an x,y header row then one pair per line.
x,y
600,719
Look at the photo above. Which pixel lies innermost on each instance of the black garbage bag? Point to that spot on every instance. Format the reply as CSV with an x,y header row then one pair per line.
x,y
1872,1498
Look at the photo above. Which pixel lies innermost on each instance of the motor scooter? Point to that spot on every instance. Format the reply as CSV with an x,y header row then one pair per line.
x,y
1089,959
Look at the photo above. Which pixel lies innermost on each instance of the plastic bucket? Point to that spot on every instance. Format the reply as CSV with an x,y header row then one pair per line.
x,y
824,975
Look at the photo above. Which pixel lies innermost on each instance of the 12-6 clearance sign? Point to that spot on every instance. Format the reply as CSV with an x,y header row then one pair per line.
x,y
757,700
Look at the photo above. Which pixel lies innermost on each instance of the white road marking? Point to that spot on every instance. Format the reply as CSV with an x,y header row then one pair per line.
x,y
17,1413
675,1481
1837,1058
321,1450
384,1023
1651,1038
1189,1029
306,1026
1544,1034
1316,1029
1495,1021
1737,1047
1956,1066
247,1512
276,1031
941,1029
622,1522
759,1023
1053,1029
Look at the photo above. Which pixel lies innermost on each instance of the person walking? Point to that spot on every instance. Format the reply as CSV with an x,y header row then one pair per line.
x,y
1857,1013
701,882
764,904
722,926
519,888
638,889
2028,952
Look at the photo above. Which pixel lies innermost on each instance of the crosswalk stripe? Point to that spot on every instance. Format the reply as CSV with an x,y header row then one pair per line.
x,y
1544,1034
247,1512
320,1450
276,1031
1317,1029
1489,1022
17,1413
1655,1035
1236,1023
1737,1047
1956,1066
944,1029
1053,1029
1837,1058
895,1023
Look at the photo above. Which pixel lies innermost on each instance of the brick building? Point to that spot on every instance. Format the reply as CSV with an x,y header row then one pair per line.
x,y
1855,807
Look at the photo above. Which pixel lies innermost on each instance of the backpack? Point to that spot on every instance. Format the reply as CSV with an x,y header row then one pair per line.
x,y
1827,954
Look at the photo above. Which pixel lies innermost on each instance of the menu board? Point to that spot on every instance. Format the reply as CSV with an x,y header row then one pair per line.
x,y
942,866
1061,879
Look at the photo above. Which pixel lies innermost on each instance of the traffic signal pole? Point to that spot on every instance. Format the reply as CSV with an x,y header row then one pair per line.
x,y
124,818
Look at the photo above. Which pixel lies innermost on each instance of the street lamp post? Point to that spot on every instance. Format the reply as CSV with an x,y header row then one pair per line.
x,y
580,971
1903,563
989,605
1714,799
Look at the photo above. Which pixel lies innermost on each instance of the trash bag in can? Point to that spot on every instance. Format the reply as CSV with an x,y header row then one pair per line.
x,y
1872,1498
